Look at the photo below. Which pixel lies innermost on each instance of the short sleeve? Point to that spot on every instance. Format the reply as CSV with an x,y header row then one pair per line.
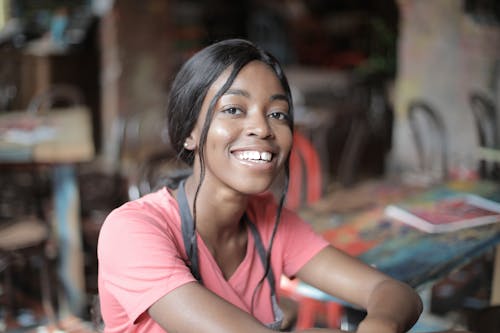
x,y
299,241
140,258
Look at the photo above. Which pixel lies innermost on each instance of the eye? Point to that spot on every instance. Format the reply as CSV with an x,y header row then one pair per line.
x,y
278,115
232,110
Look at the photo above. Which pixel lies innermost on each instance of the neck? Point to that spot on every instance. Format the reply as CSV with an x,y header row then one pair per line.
x,y
218,210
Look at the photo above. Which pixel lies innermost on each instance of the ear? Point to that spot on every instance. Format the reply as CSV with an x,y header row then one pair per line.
x,y
190,143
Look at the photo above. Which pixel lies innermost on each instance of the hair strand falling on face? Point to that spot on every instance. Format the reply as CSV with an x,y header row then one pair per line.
x,y
188,92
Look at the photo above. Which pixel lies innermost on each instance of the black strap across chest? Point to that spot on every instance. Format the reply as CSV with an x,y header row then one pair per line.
x,y
188,232
191,245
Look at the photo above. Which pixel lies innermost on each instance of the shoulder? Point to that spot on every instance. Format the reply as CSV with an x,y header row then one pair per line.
x,y
160,204
157,211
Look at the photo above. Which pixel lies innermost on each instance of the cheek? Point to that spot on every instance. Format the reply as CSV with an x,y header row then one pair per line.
x,y
218,134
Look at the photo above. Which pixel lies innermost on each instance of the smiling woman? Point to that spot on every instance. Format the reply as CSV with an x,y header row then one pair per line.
x,y
247,122
207,255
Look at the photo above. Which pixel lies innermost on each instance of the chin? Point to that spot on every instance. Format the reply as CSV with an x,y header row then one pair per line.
x,y
253,186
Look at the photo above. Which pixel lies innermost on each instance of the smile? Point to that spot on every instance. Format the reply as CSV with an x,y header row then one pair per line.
x,y
254,156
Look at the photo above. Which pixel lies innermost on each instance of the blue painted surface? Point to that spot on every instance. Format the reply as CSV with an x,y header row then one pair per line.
x,y
66,201
417,258
17,154
413,256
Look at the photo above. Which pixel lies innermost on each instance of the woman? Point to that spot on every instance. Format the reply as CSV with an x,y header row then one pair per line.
x,y
206,256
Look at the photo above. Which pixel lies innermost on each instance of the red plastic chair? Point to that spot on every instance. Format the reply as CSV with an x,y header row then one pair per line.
x,y
305,187
311,309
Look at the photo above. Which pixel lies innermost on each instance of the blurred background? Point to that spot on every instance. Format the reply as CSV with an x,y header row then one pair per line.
x,y
355,69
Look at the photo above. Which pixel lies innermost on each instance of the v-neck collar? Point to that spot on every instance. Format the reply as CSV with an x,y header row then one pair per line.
x,y
240,269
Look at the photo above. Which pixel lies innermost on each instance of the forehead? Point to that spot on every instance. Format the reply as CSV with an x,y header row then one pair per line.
x,y
252,75
256,80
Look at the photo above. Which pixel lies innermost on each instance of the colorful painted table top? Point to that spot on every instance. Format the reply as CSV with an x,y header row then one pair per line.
x,y
403,252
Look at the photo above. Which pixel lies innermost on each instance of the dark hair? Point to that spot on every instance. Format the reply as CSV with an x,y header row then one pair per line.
x,y
195,78
188,92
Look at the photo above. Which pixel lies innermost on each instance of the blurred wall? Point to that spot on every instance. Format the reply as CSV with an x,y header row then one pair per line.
x,y
137,65
444,54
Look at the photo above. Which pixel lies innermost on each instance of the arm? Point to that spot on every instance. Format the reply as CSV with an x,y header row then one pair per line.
x,y
192,308
391,305
177,312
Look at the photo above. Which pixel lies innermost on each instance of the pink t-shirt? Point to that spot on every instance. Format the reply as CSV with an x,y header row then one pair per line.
x,y
142,258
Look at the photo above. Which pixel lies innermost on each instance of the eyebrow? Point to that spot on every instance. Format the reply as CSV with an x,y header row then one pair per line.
x,y
246,94
279,97
237,92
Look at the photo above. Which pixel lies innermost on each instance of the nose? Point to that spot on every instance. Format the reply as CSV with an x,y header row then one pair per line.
x,y
258,125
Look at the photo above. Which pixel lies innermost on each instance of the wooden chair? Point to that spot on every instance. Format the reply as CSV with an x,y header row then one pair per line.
x,y
25,236
25,230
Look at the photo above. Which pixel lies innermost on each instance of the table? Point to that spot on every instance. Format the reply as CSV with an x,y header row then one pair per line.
x,y
59,138
489,154
405,253
492,155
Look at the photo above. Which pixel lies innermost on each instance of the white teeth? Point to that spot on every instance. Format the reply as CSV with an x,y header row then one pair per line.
x,y
251,155
255,155
266,156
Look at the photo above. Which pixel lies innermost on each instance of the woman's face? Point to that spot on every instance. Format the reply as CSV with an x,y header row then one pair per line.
x,y
249,137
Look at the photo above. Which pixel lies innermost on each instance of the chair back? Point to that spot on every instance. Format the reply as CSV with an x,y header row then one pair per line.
x,y
56,96
156,171
305,186
484,112
429,134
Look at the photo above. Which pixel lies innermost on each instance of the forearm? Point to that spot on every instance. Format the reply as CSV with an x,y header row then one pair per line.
x,y
392,305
